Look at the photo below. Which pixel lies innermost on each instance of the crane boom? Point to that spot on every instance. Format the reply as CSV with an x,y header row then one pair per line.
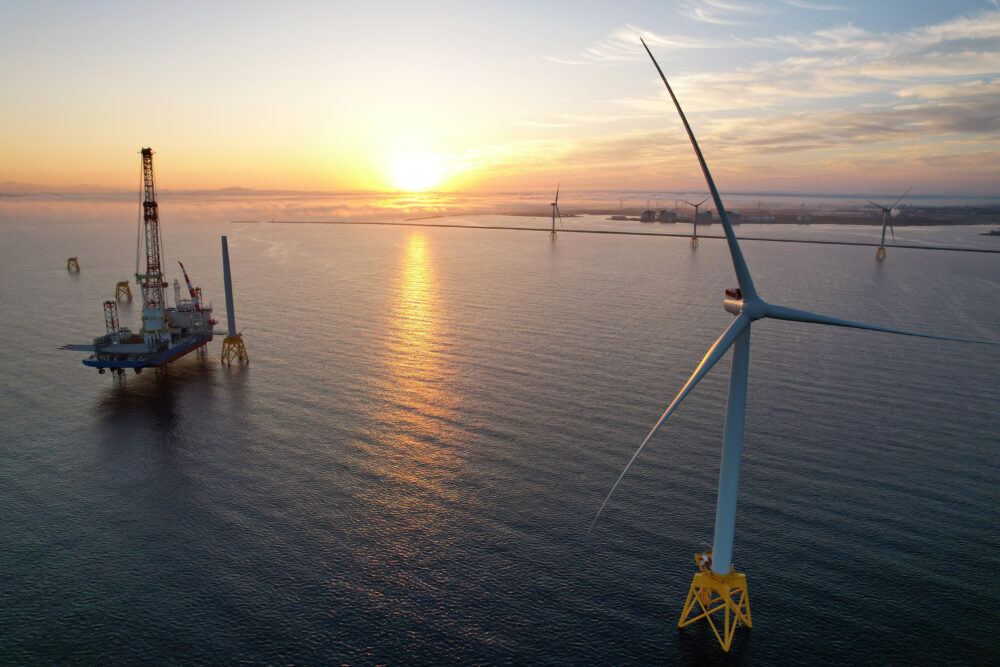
x,y
193,291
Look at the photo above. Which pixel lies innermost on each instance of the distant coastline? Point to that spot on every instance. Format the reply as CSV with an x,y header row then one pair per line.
x,y
904,217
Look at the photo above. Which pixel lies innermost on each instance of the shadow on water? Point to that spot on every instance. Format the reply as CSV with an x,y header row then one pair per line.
x,y
234,377
157,406
699,646
157,389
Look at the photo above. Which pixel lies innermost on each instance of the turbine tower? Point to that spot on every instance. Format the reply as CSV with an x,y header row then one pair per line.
x,y
717,587
694,239
555,212
887,222
232,346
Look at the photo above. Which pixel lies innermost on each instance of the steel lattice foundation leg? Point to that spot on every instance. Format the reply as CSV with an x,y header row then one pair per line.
x,y
723,597
233,348
123,291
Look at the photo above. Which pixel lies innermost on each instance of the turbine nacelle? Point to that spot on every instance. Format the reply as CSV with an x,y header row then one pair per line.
x,y
754,308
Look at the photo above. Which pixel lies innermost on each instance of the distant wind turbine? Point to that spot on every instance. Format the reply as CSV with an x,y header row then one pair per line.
x,y
694,239
555,212
887,222
717,587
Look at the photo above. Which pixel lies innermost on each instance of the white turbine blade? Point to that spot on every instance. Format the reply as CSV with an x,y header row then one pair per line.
x,y
900,199
739,264
794,315
558,185
559,213
879,206
702,201
892,229
714,353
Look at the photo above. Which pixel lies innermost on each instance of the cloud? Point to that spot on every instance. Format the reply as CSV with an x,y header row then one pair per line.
x,y
980,160
622,46
929,128
928,121
537,123
575,158
805,4
719,12
952,90
838,62
959,32
825,100
846,62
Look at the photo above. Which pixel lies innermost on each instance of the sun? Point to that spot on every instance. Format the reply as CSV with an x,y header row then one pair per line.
x,y
415,173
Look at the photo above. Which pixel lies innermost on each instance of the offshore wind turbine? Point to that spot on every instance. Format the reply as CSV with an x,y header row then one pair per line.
x,y
717,587
555,212
887,221
694,239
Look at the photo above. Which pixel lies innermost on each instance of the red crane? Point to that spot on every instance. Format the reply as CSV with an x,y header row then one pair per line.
x,y
195,292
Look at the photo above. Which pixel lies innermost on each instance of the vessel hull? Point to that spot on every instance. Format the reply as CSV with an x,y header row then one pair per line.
x,y
159,359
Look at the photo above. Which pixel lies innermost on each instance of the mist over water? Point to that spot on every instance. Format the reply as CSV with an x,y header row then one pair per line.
x,y
406,470
244,205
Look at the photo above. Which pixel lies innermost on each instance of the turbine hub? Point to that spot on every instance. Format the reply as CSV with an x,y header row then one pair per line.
x,y
754,308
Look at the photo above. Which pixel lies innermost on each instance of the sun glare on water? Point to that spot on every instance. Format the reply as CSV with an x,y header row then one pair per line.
x,y
415,173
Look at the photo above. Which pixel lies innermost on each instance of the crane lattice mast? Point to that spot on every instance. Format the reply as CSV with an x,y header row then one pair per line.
x,y
151,283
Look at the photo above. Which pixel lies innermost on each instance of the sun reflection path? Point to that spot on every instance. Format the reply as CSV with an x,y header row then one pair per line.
x,y
415,444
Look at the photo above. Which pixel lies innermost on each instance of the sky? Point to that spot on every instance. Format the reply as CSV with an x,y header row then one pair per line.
x,y
818,96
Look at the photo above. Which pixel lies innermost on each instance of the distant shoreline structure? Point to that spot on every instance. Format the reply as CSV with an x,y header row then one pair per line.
x,y
905,217
622,232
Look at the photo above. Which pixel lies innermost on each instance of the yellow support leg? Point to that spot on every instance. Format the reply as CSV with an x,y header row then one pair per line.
x,y
714,593
123,291
72,264
694,241
880,253
233,348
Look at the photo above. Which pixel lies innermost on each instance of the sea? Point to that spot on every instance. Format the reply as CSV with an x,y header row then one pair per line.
x,y
407,469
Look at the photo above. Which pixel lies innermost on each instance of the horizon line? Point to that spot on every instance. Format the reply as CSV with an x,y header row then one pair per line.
x,y
16,189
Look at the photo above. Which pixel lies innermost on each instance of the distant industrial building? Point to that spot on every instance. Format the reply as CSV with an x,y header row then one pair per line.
x,y
648,215
704,217
668,216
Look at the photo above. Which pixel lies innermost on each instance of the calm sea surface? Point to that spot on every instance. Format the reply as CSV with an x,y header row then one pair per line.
x,y
406,470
